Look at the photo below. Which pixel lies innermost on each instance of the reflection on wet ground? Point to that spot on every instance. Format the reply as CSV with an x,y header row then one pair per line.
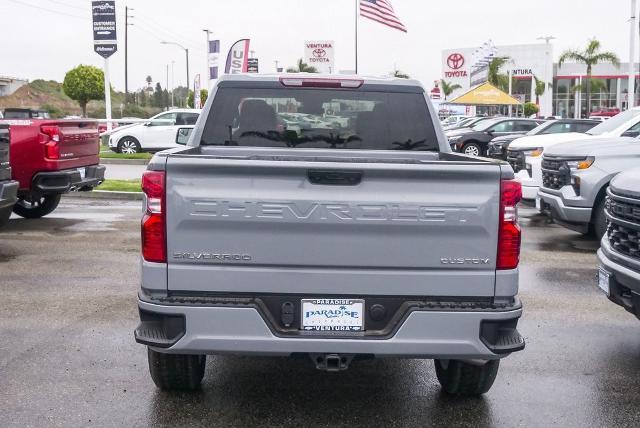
x,y
67,355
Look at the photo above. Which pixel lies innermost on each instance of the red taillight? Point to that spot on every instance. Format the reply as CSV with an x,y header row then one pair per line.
x,y
310,82
154,240
509,231
51,141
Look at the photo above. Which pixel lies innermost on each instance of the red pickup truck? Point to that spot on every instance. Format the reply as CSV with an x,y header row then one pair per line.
x,y
51,157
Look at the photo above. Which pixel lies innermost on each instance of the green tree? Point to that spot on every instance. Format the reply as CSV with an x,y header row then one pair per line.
x,y
203,97
540,88
302,67
448,88
158,96
400,75
597,85
590,56
530,109
497,79
83,84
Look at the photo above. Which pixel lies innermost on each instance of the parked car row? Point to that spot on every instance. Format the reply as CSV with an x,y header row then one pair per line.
x,y
583,177
579,172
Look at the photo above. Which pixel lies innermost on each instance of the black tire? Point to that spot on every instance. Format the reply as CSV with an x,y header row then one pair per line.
x,y
472,149
598,225
129,145
4,215
462,378
176,371
36,206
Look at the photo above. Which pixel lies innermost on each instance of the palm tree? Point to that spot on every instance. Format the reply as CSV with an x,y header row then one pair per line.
x,y
400,75
494,76
540,89
448,88
597,85
589,57
302,67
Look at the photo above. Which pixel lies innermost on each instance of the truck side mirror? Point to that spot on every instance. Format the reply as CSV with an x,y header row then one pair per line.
x,y
182,136
633,134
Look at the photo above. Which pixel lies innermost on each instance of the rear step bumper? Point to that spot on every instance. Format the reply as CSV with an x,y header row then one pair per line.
x,y
67,180
8,193
241,329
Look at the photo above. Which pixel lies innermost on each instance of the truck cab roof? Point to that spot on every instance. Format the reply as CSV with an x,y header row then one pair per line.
x,y
318,77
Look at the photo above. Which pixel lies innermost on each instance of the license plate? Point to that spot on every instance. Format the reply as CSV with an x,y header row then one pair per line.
x,y
604,280
538,204
83,172
332,314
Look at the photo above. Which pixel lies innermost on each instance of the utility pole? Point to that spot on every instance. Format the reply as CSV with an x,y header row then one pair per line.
x,y
126,57
631,94
277,62
166,88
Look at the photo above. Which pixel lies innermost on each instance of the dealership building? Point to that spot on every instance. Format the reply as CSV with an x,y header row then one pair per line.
x,y
467,67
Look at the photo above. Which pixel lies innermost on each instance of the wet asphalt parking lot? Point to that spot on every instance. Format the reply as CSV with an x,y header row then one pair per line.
x,y
67,356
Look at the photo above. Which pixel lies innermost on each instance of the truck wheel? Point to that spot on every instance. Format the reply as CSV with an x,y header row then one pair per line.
x,y
129,145
4,216
472,149
176,371
598,225
36,206
460,378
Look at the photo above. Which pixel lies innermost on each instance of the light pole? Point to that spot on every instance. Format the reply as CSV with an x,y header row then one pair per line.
x,y
186,51
172,84
208,73
547,97
126,52
631,93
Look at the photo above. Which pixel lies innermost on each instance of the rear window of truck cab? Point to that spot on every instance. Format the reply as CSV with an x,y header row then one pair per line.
x,y
319,118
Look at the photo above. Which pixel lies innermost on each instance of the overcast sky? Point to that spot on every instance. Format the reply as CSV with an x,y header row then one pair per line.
x,y
45,38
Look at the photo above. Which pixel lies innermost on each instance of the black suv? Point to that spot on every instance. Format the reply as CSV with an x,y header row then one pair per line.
x,y
499,145
8,187
474,141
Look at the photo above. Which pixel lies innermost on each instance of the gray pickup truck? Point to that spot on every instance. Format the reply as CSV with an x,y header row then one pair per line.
x,y
619,254
8,187
340,241
575,177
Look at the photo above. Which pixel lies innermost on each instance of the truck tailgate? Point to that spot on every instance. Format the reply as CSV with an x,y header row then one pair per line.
x,y
265,226
78,139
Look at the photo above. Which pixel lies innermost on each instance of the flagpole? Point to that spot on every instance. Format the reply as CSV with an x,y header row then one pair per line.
x,y
357,11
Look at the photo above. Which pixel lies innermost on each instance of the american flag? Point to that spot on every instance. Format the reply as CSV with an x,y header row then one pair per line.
x,y
381,11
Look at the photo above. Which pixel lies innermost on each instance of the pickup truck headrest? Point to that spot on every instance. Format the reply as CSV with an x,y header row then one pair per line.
x,y
257,115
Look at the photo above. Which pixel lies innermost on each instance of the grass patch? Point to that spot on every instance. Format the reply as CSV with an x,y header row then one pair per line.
x,y
108,154
121,186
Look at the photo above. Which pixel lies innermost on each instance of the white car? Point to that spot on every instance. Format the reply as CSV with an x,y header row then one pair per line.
x,y
454,119
159,133
525,154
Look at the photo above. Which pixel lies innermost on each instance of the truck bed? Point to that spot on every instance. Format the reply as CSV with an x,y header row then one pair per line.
x,y
326,222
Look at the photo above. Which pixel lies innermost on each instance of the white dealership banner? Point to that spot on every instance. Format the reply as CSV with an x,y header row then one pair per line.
x,y
197,101
238,57
320,54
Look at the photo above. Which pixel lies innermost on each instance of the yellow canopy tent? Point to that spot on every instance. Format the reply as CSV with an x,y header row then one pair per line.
x,y
485,95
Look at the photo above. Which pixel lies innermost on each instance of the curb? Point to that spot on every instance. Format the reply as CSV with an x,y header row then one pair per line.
x,y
110,161
107,194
